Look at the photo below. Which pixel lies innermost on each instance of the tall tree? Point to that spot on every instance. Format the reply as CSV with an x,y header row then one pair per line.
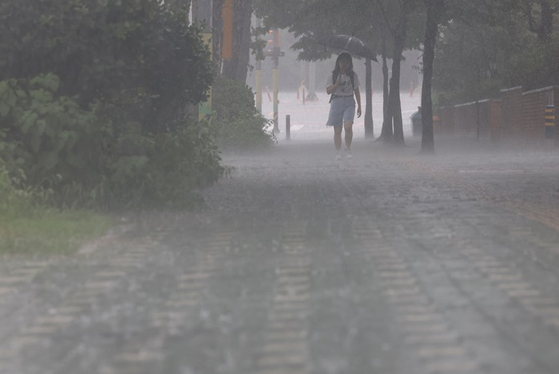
x,y
236,67
387,132
434,11
397,24
487,46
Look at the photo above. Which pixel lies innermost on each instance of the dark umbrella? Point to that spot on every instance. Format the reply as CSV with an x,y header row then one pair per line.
x,y
351,44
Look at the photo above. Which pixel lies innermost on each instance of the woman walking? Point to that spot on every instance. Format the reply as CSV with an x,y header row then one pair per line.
x,y
343,84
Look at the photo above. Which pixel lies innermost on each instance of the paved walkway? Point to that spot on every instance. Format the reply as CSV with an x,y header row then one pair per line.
x,y
386,263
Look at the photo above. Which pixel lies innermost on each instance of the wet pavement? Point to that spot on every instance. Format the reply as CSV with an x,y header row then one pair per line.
x,y
388,262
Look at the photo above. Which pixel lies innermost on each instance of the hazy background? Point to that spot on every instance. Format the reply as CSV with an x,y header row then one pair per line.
x,y
291,71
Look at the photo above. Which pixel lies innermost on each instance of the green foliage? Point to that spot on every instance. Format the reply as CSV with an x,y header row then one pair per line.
x,y
490,46
27,226
257,45
314,21
131,56
12,200
49,136
92,101
237,122
535,66
82,159
472,59
165,169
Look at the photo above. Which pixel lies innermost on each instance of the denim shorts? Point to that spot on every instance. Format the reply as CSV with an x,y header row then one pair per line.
x,y
342,109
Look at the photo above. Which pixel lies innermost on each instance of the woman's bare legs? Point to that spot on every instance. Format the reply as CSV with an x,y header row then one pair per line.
x,y
348,127
338,137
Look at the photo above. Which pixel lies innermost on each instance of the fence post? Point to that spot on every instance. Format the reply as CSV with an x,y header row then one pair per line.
x,y
288,127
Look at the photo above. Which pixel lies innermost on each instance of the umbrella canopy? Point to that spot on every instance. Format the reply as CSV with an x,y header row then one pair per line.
x,y
351,44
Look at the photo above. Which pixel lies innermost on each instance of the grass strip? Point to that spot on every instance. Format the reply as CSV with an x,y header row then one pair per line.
x,y
51,232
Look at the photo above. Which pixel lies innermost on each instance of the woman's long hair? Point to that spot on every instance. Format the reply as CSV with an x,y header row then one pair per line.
x,y
343,56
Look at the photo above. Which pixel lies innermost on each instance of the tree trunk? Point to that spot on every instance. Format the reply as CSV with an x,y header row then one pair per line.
x,y
395,105
434,11
387,132
369,129
236,67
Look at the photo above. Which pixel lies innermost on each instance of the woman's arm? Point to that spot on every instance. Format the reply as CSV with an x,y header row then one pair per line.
x,y
358,100
333,87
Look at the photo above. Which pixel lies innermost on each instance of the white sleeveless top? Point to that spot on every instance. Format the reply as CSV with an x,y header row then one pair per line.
x,y
344,89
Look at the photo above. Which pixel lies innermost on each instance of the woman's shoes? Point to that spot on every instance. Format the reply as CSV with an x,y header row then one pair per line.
x,y
346,153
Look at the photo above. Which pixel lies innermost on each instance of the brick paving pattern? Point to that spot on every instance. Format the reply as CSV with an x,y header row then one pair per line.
x,y
386,263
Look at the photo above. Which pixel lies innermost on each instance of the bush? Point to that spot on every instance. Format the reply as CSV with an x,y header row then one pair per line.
x,y
49,136
168,170
134,59
86,162
13,201
238,124
95,111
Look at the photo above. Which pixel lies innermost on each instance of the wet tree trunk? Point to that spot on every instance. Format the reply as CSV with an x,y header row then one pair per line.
x,y
369,129
387,132
236,67
434,11
394,103
217,23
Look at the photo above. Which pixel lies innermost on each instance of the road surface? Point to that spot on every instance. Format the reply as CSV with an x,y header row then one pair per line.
x,y
388,263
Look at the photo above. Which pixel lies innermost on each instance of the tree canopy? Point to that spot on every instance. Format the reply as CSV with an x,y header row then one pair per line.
x,y
488,45
93,97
